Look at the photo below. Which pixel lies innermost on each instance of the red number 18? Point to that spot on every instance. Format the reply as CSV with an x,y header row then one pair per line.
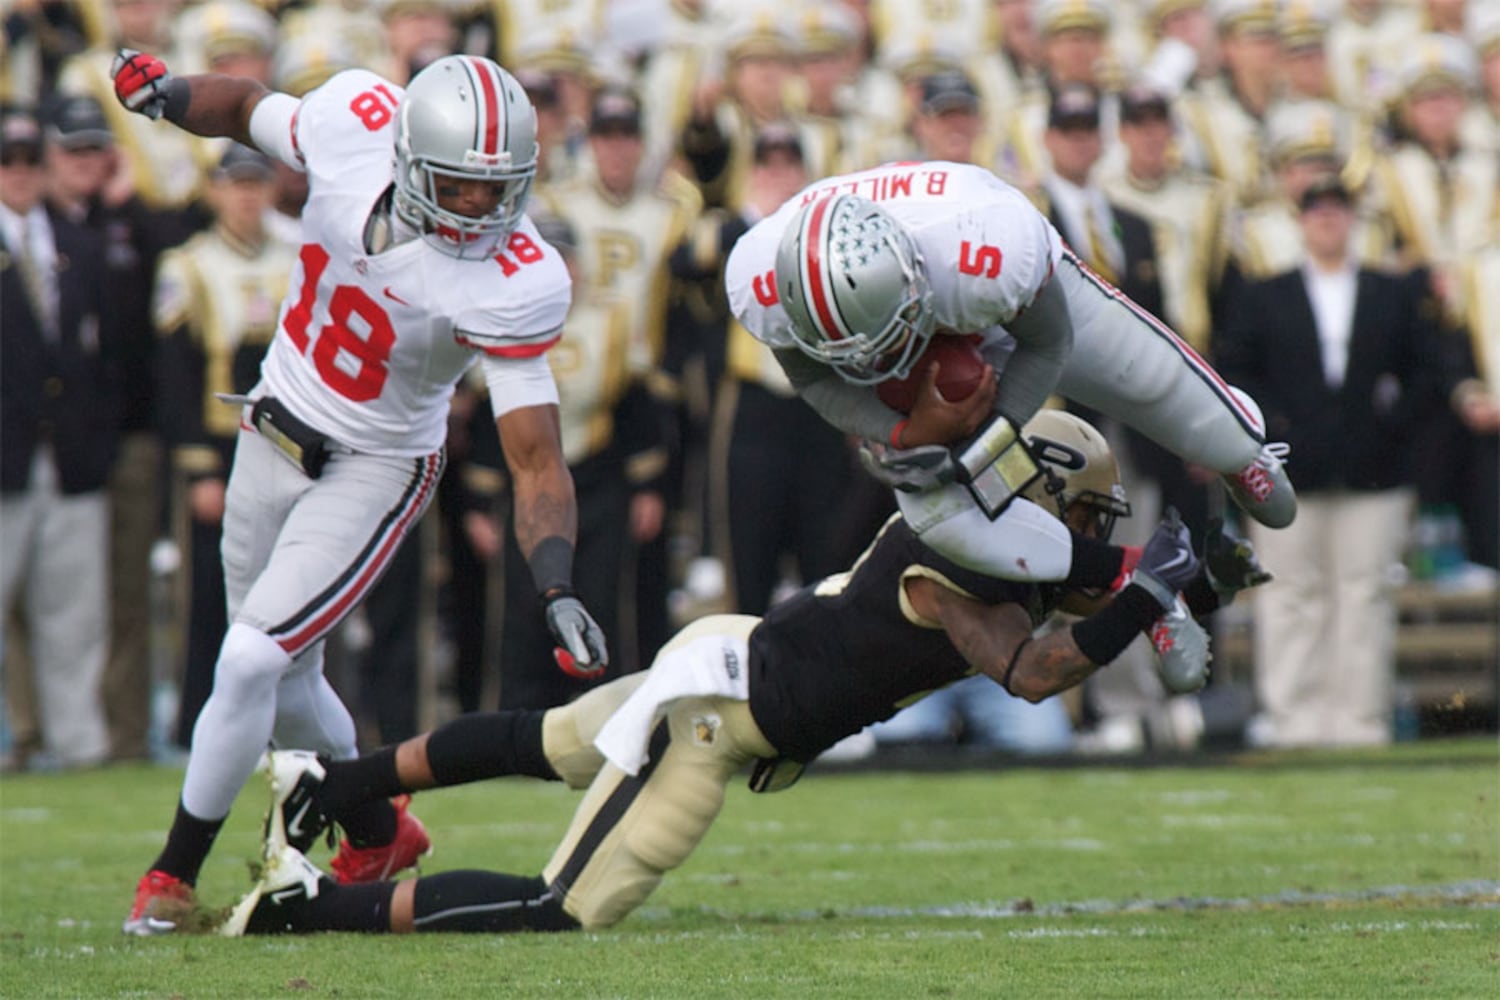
x,y
349,310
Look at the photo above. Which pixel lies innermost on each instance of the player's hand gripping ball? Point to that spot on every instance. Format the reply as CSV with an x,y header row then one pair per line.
x,y
960,372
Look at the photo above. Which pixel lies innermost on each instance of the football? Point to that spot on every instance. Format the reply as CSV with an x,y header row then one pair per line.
x,y
960,370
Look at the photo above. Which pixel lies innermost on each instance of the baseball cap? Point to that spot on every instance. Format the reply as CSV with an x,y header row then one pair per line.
x,y
78,122
241,163
949,90
777,136
20,136
540,86
1329,188
1074,106
1142,103
615,110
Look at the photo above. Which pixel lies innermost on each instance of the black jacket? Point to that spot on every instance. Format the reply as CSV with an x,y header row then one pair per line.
x,y
66,393
1357,436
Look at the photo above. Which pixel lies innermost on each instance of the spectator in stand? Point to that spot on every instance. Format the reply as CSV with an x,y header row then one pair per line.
x,y
85,168
1473,365
58,429
1343,376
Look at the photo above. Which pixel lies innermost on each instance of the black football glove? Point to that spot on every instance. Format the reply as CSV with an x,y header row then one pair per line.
x,y
1168,563
1230,562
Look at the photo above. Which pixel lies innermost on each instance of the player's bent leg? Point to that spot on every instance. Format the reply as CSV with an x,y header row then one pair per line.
x,y
230,734
629,831
309,713
1023,543
236,722
568,731
1131,366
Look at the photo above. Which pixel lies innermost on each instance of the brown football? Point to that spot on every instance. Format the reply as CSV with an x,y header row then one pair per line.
x,y
960,371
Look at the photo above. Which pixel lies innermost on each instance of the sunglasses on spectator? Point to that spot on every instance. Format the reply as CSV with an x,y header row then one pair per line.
x,y
25,156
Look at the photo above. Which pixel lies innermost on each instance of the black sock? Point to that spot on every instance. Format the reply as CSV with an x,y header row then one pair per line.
x,y
487,902
350,783
371,823
188,844
365,907
489,745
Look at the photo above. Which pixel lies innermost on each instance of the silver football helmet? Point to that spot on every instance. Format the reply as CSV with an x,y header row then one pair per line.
x,y
464,117
1078,467
855,287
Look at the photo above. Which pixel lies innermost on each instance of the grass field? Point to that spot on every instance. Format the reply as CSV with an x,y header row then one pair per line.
x,y
1369,874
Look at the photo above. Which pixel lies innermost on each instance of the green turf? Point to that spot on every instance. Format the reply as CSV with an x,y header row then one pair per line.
x,y
1319,875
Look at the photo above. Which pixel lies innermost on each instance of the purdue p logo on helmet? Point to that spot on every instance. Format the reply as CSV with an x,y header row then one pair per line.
x,y
465,118
1078,467
855,288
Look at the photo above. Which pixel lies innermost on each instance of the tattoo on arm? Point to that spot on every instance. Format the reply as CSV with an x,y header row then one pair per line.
x,y
990,638
541,514
1051,664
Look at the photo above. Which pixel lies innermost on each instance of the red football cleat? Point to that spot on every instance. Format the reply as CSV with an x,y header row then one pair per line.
x,y
162,901
373,864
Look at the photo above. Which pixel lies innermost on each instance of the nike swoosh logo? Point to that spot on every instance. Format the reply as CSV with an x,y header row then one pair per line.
x,y
386,291
294,828
282,895
1177,560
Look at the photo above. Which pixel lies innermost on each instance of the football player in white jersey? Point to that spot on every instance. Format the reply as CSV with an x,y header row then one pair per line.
x,y
852,277
416,260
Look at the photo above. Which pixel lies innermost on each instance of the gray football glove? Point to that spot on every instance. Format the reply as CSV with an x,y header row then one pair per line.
x,y
1231,562
910,470
581,650
1168,563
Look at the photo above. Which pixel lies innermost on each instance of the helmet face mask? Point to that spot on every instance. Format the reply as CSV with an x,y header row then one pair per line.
x,y
855,288
1080,478
464,118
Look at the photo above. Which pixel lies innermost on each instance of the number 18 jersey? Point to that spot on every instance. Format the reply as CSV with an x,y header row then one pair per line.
x,y
370,346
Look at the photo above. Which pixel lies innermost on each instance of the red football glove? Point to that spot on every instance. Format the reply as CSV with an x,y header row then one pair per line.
x,y
141,82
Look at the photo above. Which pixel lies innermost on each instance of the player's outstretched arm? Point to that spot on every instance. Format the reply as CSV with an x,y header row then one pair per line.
x,y
546,525
997,641
207,104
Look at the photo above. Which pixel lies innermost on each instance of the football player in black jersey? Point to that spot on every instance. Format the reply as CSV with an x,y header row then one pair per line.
x,y
731,691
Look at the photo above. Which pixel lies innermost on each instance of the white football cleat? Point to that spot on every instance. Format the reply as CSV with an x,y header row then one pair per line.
x,y
295,820
289,881
1182,652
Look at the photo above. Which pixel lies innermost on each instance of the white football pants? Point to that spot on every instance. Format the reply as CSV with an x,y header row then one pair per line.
x,y
1126,364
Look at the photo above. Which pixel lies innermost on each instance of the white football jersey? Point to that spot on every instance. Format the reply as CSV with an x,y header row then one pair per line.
x,y
988,250
370,346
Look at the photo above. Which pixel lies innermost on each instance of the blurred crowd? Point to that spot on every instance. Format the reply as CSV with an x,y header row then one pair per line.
x,y
1184,148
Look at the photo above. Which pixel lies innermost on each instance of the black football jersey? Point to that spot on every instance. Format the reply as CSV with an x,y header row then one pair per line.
x,y
847,651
